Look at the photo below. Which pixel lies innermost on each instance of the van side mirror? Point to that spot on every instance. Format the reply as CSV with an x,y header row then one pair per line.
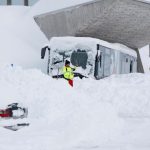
x,y
98,47
43,51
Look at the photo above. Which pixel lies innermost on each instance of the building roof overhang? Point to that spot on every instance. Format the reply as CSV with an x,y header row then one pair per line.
x,y
117,21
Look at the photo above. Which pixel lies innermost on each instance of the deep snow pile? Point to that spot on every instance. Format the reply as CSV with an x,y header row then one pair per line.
x,y
113,113
21,38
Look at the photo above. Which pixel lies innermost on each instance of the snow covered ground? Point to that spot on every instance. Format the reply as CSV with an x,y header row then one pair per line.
x,y
109,114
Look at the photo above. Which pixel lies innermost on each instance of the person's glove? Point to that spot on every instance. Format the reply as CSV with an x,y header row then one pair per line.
x,y
74,68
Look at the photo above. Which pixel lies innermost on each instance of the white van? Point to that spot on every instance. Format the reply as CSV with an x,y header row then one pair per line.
x,y
93,57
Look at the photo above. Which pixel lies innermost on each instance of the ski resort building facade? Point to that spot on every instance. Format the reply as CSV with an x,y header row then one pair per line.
x,y
18,2
116,21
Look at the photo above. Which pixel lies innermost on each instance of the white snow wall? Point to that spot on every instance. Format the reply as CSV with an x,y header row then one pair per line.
x,y
21,39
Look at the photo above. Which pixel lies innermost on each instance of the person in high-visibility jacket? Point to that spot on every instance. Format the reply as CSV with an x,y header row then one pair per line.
x,y
68,72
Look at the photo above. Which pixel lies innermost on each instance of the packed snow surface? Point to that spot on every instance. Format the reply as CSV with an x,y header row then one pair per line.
x,y
108,114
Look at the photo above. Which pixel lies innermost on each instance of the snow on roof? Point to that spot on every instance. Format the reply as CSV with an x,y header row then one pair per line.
x,y
44,6
86,42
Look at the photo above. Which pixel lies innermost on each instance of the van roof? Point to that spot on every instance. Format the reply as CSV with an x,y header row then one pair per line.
x,y
67,43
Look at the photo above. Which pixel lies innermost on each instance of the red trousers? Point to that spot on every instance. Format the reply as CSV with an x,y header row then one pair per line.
x,y
70,82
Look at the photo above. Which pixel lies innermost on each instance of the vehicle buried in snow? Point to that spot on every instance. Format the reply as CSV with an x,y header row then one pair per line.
x,y
93,57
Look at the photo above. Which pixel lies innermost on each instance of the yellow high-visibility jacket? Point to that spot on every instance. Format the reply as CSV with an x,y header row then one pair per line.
x,y
68,72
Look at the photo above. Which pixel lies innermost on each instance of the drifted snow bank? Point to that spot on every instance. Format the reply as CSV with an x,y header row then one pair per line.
x,y
20,37
113,113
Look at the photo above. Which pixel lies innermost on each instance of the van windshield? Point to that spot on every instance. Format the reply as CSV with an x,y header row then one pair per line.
x,y
82,59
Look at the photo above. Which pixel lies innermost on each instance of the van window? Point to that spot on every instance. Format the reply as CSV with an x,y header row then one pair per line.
x,y
79,58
